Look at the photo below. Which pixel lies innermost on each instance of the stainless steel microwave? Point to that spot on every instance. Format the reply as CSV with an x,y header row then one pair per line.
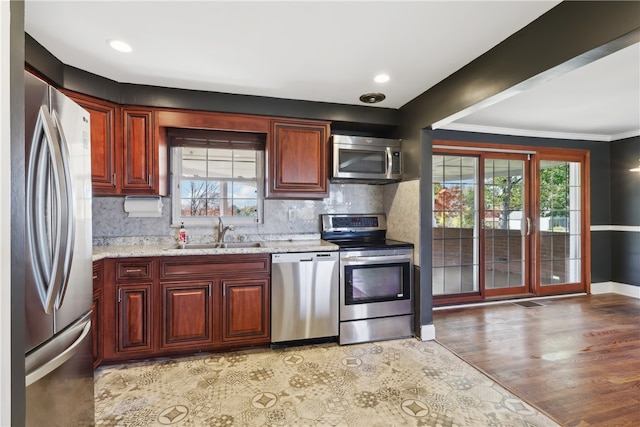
x,y
360,159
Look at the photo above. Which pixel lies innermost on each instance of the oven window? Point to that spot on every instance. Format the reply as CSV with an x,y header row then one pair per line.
x,y
377,283
363,161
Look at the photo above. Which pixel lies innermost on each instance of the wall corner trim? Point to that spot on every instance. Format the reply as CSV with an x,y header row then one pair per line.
x,y
427,332
615,288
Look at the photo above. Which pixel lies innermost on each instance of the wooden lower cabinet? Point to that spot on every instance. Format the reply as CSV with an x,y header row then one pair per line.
x,y
96,317
245,310
96,307
187,314
165,306
134,318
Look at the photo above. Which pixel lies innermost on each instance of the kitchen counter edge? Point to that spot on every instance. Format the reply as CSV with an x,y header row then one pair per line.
x,y
152,250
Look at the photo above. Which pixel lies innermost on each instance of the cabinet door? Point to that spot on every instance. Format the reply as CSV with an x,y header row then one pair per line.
x,y
245,310
134,318
105,151
96,317
187,314
297,154
140,164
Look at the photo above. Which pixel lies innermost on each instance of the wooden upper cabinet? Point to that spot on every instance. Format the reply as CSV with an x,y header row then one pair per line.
x,y
139,167
105,143
298,160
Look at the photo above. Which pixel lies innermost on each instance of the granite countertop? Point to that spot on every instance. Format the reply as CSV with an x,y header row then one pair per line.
x,y
168,249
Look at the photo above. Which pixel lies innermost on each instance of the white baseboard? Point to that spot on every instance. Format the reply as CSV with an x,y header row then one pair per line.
x,y
427,332
633,228
615,288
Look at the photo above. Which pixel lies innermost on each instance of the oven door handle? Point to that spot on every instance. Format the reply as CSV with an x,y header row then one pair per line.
x,y
370,259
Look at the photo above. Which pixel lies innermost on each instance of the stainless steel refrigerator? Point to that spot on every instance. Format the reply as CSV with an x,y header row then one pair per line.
x,y
58,293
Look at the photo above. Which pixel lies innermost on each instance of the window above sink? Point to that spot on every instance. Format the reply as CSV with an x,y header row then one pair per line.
x,y
216,174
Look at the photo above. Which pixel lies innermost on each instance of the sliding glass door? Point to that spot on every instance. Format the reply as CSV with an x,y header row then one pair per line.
x,y
560,210
456,259
506,224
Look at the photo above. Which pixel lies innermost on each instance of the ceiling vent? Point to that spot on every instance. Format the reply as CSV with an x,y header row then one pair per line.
x,y
372,98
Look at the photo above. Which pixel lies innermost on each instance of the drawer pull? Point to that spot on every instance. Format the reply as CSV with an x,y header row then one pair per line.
x,y
133,270
95,277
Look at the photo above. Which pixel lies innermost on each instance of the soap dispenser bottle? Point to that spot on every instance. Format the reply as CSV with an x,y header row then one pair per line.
x,y
182,235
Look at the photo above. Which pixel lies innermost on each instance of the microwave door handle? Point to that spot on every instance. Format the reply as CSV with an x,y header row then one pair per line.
x,y
389,162
66,210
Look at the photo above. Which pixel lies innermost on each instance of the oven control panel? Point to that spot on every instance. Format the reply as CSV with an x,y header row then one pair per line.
x,y
355,222
352,222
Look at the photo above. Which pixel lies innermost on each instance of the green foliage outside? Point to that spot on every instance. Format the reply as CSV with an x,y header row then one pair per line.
x,y
454,205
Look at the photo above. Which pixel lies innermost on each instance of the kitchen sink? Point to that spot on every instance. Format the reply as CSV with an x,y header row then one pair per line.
x,y
226,245
231,245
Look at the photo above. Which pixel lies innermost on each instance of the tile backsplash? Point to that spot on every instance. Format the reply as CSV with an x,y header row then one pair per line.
x,y
283,219
402,206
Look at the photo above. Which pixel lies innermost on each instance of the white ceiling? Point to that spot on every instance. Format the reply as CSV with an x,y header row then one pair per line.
x,y
330,51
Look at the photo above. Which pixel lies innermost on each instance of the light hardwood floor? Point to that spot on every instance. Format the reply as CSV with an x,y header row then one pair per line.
x,y
575,358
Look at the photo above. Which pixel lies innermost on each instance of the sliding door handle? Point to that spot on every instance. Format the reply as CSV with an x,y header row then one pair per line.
x,y
526,226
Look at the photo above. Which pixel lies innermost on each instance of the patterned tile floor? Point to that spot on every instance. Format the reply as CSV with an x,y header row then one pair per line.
x,y
391,383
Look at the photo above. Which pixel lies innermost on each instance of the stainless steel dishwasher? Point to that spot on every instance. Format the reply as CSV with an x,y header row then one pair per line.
x,y
304,296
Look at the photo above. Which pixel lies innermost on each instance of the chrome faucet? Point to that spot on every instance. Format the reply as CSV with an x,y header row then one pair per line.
x,y
222,230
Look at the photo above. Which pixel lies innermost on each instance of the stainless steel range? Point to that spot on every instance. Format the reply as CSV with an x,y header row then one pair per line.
x,y
376,278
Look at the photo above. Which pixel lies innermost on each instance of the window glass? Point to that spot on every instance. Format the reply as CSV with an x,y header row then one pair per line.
x,y
217,182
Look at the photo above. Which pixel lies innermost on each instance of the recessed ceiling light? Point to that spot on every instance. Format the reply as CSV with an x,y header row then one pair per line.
x,y
119,45
372,98
381,78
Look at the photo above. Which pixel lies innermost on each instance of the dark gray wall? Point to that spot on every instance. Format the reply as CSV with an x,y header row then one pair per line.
x,y
625,185
625,211
352,119
16,46
425,293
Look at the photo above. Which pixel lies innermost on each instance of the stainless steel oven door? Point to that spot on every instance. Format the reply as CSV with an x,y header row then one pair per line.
x,y
376,283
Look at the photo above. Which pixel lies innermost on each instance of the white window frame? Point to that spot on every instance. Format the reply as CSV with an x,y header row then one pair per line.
x,y
177,218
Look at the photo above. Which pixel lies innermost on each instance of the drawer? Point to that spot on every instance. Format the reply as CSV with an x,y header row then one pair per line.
x,y
186,267
134,269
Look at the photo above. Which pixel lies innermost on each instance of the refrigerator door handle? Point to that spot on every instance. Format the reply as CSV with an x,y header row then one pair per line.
x,y
48,203
67,242
55,353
